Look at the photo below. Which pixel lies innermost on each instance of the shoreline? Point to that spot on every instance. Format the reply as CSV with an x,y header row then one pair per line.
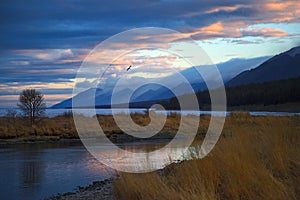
x,y
96,190
37,140
119,138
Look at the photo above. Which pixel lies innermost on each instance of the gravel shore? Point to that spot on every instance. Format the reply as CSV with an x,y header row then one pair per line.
x,y
97,190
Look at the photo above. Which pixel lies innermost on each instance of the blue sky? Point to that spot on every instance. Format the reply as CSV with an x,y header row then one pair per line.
x,y
43,43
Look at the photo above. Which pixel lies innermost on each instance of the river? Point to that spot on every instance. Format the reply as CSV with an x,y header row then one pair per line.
x,y
39,170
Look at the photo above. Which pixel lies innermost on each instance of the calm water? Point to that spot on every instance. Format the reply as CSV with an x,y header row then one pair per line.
x,y
39,170
35,171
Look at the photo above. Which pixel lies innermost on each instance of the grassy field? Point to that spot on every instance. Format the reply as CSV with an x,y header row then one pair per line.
x,y
18,128
256,158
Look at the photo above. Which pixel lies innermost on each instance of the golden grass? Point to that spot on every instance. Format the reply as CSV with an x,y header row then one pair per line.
x,y
63,126
60,126
256,158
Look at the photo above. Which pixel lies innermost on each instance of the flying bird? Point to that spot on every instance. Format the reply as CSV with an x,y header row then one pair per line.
x,y
128,68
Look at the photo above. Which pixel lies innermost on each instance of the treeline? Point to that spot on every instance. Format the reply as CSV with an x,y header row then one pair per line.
x,y
270,93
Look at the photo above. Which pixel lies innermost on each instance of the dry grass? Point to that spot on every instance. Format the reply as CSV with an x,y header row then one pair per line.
x,y
63,125
60,126
256,158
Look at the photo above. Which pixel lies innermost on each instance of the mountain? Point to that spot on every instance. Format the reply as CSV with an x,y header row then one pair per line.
x,y
233,67
152,92
279,95
283,66
228,70
68,102
102,98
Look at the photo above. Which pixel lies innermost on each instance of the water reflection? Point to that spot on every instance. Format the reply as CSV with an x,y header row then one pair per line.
x,y
36,171
32,172
139,157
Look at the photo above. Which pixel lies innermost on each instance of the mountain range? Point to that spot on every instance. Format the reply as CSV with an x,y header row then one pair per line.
x,y
283,66
234,72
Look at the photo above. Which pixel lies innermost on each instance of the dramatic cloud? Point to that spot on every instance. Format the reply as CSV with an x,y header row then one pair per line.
x,y
44,42
79,24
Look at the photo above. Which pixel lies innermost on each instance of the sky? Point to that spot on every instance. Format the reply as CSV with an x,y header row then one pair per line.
x,y
43,43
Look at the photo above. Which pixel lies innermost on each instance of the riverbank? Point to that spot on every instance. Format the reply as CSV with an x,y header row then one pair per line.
x,y
17,130
37,140
30,139
44,128
97,190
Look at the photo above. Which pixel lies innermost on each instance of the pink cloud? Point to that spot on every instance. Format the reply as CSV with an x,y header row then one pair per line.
x,y
46,54
226,8
265,32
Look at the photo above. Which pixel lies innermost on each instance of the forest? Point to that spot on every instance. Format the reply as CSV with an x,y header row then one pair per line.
x,y
269,93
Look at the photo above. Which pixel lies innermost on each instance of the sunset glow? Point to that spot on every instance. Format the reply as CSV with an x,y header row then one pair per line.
x,y
45,54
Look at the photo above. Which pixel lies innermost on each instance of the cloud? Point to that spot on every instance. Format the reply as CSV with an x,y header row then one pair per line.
x,y
283,6
46,54
79,24
47,42
236,30
245,41
265,32
226,8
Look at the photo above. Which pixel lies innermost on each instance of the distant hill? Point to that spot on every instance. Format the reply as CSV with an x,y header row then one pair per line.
x,y
268,93
283,66
153,92
275,81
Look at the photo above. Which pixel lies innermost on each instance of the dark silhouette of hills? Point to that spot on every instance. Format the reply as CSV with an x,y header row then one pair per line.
x,y
283,66
268,93
275,81
153,92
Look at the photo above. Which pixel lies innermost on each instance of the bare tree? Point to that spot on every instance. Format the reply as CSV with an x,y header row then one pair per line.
x,y
32,104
